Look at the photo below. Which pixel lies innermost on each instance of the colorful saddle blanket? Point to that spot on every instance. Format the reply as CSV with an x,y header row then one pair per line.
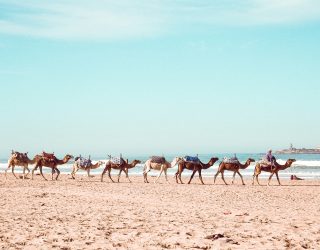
x,y
158,159
116,160
233,160
83,162
193,159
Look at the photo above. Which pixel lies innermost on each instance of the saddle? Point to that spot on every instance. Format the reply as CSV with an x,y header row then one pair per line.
x,y
192,159
18,155
50,157
158,159
116,160
265,162
232,160
84,162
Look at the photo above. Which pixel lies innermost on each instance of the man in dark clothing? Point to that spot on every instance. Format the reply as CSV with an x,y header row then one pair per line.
x,y
270,158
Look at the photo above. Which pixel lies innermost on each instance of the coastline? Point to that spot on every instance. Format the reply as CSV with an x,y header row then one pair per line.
x,y
86,213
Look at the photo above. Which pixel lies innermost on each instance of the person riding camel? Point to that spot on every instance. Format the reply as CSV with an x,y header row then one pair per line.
x,y
270,158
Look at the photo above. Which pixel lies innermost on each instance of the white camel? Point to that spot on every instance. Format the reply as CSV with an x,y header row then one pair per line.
x,y
77,166
162,167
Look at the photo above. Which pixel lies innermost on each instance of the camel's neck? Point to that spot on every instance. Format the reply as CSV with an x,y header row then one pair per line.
x,y
173,163
208,165
94,166
33,161
132,164
63,161
285,166
244,166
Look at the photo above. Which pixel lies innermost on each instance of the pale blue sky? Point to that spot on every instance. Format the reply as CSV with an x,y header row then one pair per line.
x,y
148,77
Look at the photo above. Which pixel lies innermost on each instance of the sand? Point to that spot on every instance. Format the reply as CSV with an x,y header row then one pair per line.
x,y
88,214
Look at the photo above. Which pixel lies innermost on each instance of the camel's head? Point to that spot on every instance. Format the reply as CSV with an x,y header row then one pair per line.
x,y
178,159
213,160
251,160
290,161
135,162
68,157
100,163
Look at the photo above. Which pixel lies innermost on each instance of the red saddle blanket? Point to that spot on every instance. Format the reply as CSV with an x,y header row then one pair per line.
x,y
48,156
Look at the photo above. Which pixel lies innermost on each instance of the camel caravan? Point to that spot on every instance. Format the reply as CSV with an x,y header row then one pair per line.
x,y
157,163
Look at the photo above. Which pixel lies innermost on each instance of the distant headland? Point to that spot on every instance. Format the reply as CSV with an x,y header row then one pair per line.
x,y
293,150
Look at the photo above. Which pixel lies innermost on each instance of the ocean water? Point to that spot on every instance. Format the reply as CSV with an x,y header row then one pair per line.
x,y
307,166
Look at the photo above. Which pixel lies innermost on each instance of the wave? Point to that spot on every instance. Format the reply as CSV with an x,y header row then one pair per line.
x,y
302,163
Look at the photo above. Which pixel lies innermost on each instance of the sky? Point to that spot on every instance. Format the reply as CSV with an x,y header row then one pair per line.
x,y
159,76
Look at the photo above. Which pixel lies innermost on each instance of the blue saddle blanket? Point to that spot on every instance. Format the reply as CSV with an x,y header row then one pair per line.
x,y
193,159
83,162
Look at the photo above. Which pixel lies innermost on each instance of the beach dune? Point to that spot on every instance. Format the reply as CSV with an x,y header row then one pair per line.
x,y
88,214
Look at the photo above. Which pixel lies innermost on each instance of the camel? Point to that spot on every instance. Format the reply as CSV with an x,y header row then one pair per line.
x,y
19,159
195,167
160,167
77,166
235,167
273,170
125,166
51,162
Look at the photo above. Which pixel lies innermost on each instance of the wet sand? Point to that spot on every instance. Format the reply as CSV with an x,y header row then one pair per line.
x,y
88,214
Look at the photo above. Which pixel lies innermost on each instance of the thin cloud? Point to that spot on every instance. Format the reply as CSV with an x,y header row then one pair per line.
x,y
123,19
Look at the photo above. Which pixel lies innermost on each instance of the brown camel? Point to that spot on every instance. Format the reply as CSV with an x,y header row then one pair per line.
x,y
19,159
273,170
52,162
195,167
235,167
125,166
77,166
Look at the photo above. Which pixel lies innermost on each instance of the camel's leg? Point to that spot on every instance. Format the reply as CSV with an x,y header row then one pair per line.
x,y
73,175
180,170
270,178
165,174
194,171
161,170
88,172
42,173
278,178
254,175
222,176
176,175
58,173
5,172
145,174
257,178
23,173
120,174
200,176
32,172
52,173
215,177
28,172
103,173
73,172
12,169
233,177
109,174
240,177
127,174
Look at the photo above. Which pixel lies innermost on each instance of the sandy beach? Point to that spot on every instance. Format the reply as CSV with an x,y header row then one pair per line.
x,y
88,214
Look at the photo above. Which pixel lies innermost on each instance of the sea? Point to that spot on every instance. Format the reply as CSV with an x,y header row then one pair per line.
x,y
307,166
